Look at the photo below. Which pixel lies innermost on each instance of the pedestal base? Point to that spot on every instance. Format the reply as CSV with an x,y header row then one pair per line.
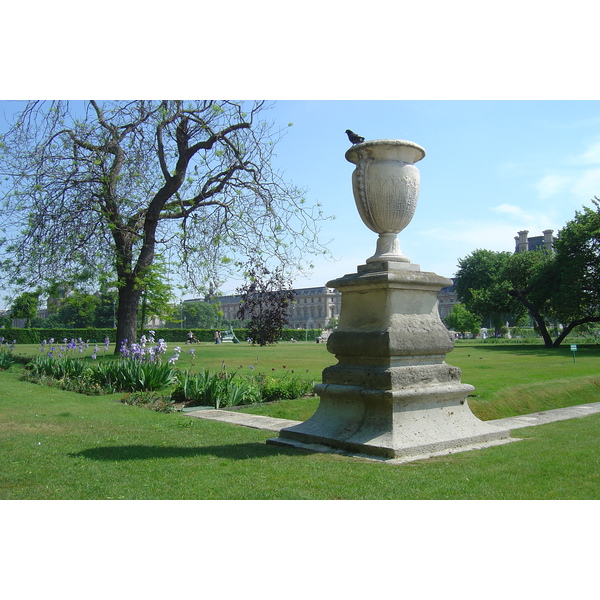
x,y
395,460
392,394
396,424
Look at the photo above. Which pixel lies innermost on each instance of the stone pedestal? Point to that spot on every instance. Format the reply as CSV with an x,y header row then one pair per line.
x,y
392,394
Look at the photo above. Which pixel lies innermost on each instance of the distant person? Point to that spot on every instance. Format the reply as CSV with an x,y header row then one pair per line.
x,y
190,337
217,337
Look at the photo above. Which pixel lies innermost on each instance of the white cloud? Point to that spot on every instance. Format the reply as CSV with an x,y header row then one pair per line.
x,y
552,184
460,237
591,156
513,211
520,218
579,181
473,234
587,185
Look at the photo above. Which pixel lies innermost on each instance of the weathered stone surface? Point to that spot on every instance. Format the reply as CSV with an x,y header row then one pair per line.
x,y
386,185
390,314
391,393
389,378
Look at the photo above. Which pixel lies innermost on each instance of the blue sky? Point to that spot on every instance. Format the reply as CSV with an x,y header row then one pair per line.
x,y
492,168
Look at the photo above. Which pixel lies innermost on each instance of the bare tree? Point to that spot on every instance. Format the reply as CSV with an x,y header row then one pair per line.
x,y
94,187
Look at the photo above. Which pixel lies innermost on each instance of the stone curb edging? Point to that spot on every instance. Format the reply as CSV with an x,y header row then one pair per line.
x,y
548,416
246,420
274,424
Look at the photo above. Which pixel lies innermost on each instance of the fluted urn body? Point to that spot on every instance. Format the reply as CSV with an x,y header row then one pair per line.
x,y
386,184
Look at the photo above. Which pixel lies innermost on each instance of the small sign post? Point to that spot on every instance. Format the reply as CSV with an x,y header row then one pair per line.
x,y
573,350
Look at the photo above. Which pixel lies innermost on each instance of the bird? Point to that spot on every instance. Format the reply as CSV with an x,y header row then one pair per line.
x,y
354,138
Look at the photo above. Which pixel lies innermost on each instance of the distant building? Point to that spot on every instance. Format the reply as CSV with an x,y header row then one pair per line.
x,y
312,308
228,304
447,298
527,244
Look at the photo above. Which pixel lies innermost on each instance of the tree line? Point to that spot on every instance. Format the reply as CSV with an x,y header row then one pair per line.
x,y
81,310
264,309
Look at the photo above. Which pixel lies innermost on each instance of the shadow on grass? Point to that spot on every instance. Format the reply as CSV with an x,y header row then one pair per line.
x,y
231,451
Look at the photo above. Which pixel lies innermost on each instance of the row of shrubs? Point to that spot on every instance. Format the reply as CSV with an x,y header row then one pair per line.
x,y
104,377
97,335
225,389
142,379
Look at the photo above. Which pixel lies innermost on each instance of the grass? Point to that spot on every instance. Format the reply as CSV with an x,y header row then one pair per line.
x,y
305,358
509,380
62,445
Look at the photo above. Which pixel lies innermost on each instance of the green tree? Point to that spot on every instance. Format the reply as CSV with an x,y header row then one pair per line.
x,y
200,315
564,287
106,312
332,323
530,276
49,322
576,297
157,299
102,186
463,321
483,289
25,306
78,310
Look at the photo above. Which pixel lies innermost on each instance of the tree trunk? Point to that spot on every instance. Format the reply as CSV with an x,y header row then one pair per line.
x,y
567,330
143,305
535,315
543,329
127,313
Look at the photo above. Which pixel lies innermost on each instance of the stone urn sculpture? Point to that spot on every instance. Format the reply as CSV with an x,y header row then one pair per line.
x,y
391,394
386,183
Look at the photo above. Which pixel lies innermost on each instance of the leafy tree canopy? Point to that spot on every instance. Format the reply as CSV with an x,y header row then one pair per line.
x,y
463,321
25,307
158,299
78,310
200,315
483,290
561,287
565,286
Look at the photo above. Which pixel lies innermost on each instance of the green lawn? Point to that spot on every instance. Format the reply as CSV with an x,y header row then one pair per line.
x,y
509,380
517,379
61,445
300,356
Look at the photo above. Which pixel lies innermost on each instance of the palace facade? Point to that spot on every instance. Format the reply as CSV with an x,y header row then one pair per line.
x,y
312,308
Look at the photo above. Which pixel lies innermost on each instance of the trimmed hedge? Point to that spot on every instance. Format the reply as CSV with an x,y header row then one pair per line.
x,y
35,336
